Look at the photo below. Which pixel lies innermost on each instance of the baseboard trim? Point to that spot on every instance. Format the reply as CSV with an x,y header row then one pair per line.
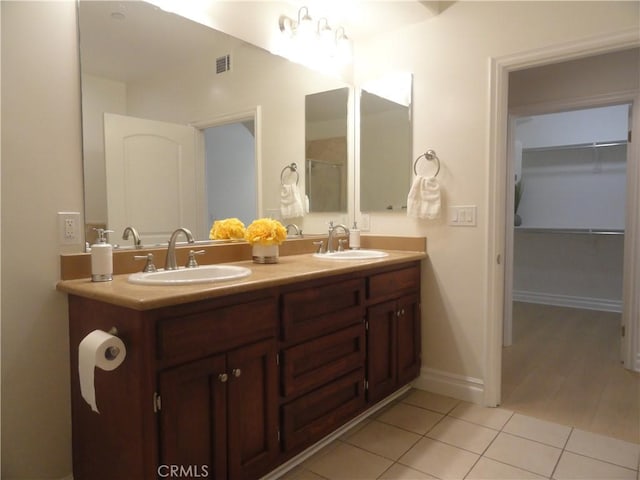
x,y
588,303
453,385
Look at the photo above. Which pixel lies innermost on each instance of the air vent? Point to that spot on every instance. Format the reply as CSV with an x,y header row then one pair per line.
x,y
223,64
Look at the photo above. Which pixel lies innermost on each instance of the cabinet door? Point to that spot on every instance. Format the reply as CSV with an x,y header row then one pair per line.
x,y
193,418
408,338
381,350
253,410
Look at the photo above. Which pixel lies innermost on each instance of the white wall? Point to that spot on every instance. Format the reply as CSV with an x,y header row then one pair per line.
x,y
41,175
449,56
603,124
582,271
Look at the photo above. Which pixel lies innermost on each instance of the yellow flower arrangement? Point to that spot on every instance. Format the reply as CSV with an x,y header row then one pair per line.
x,y
265,231
227,229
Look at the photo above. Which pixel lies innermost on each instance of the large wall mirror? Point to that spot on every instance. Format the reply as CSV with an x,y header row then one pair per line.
x,y
156,87
385,143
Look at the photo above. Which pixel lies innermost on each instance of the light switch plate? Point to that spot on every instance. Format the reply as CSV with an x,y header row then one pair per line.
x,y
462,216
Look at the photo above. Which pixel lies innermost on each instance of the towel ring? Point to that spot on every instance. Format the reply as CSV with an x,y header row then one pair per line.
x,y
431,156
294,169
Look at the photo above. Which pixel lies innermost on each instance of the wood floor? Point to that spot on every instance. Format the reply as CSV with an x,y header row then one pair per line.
x,y
564,366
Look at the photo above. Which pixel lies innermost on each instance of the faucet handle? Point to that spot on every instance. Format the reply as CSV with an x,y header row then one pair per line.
x,y
341,243
191,262
320,245
149,266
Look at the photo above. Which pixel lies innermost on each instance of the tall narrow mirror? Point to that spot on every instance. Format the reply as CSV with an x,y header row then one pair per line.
x,y
326,146
385,143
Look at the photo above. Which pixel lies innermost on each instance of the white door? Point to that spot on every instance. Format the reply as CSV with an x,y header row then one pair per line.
x,y
152,177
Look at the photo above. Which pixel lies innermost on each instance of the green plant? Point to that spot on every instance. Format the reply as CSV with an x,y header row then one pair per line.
x,y
518,195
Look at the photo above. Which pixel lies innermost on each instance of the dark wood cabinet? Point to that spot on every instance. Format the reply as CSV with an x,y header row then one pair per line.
x,y
220,414
393,331
323,359
231,387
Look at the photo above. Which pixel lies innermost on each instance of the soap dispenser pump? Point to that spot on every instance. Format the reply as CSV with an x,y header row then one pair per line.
x,y
101,258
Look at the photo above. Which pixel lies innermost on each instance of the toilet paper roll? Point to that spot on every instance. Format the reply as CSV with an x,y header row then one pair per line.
x,y
102,350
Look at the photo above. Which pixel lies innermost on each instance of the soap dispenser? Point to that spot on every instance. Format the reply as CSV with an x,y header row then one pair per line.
x,y
101,258
354,237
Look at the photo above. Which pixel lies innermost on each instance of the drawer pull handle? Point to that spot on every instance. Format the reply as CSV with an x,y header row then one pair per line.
x,y
236,372
223,377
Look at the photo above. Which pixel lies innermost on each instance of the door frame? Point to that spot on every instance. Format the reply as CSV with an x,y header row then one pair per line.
x,y
498,197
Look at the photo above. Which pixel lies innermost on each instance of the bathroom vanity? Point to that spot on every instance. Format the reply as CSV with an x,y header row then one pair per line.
x,y
231,380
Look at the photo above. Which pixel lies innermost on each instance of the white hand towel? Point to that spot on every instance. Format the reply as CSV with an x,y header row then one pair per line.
x,y
423,200
291,205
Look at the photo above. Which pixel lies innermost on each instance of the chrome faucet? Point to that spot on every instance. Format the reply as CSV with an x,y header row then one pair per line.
x,y
332,232
170,263
136,237
295,227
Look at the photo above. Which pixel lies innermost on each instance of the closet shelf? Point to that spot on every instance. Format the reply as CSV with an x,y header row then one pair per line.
x,y
576,231
614,143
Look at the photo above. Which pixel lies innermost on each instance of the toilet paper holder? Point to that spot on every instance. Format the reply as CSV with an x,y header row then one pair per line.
x,y
112,352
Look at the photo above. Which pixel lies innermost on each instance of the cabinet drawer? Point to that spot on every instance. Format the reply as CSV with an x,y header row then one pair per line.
x,y
314,363
317,310
318,413
200,334
392,283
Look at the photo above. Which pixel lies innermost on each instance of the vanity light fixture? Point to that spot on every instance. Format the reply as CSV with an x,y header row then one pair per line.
x,y
321,40
343,46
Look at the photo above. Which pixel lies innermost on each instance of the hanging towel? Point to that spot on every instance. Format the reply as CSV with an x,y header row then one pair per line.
x,y
423,200
291,205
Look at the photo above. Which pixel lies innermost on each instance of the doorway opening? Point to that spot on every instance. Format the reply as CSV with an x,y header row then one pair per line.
x,y
562,322
230,171
229,147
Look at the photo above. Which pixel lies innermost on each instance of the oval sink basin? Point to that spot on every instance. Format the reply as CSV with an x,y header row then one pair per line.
x,y
191,276
352,255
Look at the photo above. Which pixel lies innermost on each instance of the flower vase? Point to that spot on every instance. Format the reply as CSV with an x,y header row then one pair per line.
x,y
265,253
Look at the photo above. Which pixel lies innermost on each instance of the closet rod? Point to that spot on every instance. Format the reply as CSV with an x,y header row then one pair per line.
x,y
577,145
578,231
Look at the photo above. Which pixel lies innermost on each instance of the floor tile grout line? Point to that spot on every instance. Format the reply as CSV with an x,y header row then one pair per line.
x,y
599,460
482,455
564,449
532,440
374,453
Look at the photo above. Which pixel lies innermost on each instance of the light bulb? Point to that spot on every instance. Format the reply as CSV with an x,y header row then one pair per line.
x,y
304,29
343,47
326,38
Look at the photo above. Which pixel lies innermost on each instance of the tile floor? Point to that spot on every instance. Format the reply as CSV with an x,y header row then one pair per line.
x,y
427,436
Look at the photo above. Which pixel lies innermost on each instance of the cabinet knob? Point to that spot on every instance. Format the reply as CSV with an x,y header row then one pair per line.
x,y
402,312
223,377
236,372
